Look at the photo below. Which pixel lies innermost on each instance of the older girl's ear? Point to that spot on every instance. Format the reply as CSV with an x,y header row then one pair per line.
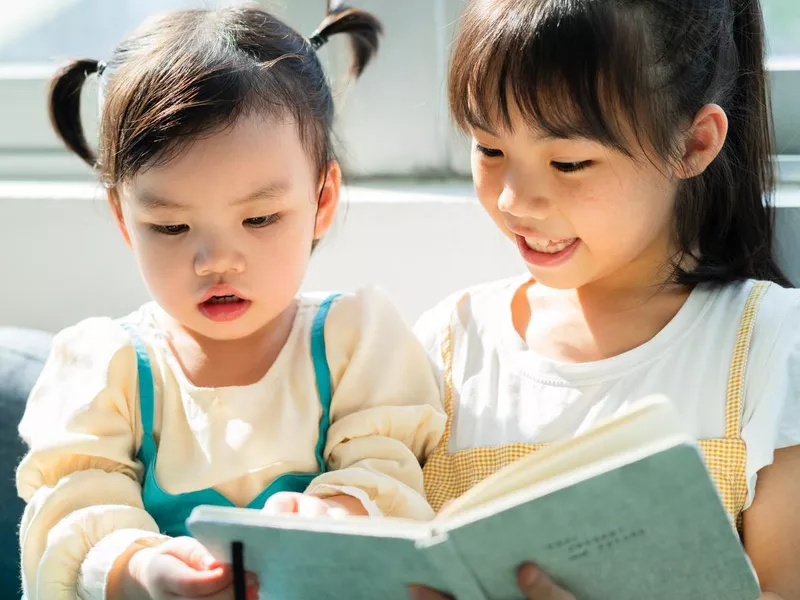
x,y
704,141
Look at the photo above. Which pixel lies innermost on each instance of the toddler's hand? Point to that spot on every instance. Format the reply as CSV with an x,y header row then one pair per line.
x,y
311,506
182,568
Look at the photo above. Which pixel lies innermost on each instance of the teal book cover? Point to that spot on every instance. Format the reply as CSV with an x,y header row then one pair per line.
x,y
651,529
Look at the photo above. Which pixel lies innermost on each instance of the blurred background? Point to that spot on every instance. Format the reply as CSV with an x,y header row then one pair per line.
x,y
409,200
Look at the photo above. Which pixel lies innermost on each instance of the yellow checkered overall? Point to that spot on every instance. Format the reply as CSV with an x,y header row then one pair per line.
x,y
448,476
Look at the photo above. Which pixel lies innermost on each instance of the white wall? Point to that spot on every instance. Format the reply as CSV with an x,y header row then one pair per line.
x,y
61,258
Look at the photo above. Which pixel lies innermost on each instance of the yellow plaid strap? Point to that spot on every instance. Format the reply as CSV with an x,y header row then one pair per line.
x,y
736,387
447,361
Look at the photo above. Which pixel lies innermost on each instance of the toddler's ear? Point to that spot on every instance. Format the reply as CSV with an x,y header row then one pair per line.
x,y
328,194
116,209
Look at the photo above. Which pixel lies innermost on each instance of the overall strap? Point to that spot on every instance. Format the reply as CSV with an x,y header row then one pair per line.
x,y
736,378
146,395
446,351
322,373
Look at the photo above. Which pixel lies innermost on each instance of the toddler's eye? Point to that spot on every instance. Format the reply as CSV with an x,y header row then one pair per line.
x,y
170,229
262,221
488,152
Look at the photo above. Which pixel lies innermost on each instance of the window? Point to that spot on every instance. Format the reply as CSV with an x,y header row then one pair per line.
x,y
37,35
48,31
393,122
783,24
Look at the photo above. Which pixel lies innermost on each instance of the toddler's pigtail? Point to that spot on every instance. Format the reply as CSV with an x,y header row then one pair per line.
x,y
65,106
363,28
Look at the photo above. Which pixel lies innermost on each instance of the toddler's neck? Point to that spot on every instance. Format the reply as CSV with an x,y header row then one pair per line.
x,y
223,363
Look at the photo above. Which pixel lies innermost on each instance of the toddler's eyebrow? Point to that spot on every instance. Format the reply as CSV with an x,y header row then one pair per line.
x,y
152,201
267,192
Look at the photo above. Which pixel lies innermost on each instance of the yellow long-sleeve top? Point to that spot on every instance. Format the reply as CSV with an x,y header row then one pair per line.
x,y
83,482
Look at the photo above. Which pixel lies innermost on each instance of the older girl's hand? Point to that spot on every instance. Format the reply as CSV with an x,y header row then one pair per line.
x,y
533,583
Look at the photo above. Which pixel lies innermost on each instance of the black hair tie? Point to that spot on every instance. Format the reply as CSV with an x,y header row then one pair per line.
x,y
318,39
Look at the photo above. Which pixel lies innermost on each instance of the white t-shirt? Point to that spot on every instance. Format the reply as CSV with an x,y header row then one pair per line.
x,y
507,393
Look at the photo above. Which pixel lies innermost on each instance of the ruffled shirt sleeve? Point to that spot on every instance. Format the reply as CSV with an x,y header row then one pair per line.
x,y
80,478
386,413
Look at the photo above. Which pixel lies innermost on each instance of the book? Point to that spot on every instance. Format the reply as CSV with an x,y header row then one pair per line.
x,y
624,511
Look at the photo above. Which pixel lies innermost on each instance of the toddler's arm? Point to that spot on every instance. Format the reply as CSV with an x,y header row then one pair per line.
x,y
386,413
80,479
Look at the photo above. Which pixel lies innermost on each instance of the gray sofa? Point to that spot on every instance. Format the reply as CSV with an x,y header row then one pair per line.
x,y
22,355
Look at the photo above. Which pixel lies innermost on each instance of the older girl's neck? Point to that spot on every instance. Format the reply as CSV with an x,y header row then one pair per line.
x,y
593,323
214,363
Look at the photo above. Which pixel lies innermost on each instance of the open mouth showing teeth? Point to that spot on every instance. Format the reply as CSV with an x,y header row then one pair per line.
x,y
549,246
223,299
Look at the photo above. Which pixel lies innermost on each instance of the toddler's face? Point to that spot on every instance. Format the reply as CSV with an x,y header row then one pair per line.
x,y
223,232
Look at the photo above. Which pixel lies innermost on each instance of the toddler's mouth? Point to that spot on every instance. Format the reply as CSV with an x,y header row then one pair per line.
x,y
223,299
224,306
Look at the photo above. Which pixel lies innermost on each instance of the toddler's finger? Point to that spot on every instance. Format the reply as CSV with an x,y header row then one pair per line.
x,y
311,506
192,552
282,503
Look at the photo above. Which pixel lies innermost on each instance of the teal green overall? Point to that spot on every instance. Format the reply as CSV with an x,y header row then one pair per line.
x,y
170,511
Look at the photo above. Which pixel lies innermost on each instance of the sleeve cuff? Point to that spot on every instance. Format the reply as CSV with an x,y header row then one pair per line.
x,y
100,560
325,490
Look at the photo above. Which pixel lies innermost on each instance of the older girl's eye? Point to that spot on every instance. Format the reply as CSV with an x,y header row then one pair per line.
x,y
571,167
170,229
488,152
263,221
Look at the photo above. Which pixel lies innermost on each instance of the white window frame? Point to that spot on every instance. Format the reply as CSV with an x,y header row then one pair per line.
x,y
393,122
785,80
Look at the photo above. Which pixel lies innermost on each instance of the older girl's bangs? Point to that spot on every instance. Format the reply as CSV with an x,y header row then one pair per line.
x,y
570,69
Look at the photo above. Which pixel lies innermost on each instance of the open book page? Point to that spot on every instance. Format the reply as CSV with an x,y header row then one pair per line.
x,y
385,527
651,425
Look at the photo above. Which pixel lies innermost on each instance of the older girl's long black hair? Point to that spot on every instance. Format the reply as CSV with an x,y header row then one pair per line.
x,y
599,68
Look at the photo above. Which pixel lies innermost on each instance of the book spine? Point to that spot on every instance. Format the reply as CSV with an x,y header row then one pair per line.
x,y
443,556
